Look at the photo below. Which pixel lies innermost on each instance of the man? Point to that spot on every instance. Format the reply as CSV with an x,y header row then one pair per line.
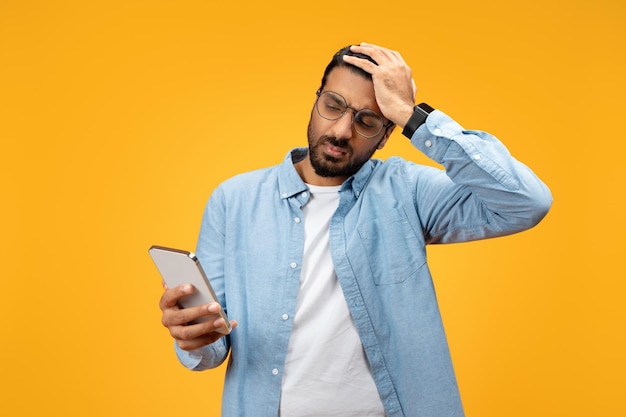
x,y
322,258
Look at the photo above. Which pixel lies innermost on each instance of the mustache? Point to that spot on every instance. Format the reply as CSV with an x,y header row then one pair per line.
x,y
339,143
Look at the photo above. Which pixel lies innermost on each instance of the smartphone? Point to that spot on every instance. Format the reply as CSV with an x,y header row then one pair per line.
x,y
178,267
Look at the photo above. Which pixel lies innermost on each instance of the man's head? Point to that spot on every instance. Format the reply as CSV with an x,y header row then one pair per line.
x,y
338,61
340,144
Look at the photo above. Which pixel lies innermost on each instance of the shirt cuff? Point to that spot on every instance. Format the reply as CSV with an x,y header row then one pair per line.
x,y
433,136
206,357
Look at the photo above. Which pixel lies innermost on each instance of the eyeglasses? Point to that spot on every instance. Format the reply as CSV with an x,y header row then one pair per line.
x,y
332,106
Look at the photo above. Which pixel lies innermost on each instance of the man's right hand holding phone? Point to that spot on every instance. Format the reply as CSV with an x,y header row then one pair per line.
x,y
188,335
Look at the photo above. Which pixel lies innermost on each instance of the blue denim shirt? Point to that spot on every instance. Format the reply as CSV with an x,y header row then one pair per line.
x,y
251,245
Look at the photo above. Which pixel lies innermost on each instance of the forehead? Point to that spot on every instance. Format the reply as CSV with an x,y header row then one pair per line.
x,y
357,90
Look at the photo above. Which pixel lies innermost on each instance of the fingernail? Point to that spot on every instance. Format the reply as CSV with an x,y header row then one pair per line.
x,y
186,288
214,308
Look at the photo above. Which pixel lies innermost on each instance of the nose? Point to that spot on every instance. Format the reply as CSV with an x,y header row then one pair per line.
x,y
342,128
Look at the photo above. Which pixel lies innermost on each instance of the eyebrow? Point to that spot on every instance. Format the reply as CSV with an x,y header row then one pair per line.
x,y
338,98
344,101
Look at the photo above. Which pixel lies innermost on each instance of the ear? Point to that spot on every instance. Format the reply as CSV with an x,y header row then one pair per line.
x,y
386,136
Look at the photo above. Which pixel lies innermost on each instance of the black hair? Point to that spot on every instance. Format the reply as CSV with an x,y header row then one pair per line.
x,y
338,61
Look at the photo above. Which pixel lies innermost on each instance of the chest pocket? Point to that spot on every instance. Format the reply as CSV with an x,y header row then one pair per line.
x,y
392,249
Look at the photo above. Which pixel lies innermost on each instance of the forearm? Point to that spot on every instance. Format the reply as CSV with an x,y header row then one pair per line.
x,y
487,187
210,252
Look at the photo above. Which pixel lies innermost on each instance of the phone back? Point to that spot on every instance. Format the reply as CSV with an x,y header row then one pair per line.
x,y
178,267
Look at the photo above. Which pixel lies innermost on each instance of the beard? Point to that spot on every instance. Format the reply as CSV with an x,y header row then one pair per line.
x,y
329,166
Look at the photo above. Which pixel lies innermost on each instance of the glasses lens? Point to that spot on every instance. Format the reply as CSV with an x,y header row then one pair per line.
x,y
368,123
331,106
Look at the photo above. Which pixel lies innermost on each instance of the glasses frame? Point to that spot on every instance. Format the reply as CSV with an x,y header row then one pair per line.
x,y
383,126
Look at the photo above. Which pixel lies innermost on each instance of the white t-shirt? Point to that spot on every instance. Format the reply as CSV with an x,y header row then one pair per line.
x,y
326,371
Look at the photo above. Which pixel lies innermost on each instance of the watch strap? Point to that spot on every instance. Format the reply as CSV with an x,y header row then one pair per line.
x,y
420,113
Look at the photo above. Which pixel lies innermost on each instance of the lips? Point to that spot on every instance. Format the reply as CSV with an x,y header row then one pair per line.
x,y
334,151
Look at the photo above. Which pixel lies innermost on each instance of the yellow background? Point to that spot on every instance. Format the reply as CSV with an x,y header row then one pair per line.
x,y
118,118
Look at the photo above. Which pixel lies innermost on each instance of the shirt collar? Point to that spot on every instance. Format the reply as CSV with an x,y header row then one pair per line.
x,y
290,183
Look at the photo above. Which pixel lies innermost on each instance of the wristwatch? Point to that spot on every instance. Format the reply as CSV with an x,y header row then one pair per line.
x,y
420,113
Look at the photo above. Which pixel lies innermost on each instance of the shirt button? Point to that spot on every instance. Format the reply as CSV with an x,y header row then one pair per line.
x,y
296,219
284,195
293,265
428,144
437,132
274,371
285,316
303,194
476,156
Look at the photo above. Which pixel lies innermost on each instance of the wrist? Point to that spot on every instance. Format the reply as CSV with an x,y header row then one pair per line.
x,y
404,115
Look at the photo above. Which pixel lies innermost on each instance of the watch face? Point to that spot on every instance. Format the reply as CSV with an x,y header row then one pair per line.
x,y
416,120
424,107
419,116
